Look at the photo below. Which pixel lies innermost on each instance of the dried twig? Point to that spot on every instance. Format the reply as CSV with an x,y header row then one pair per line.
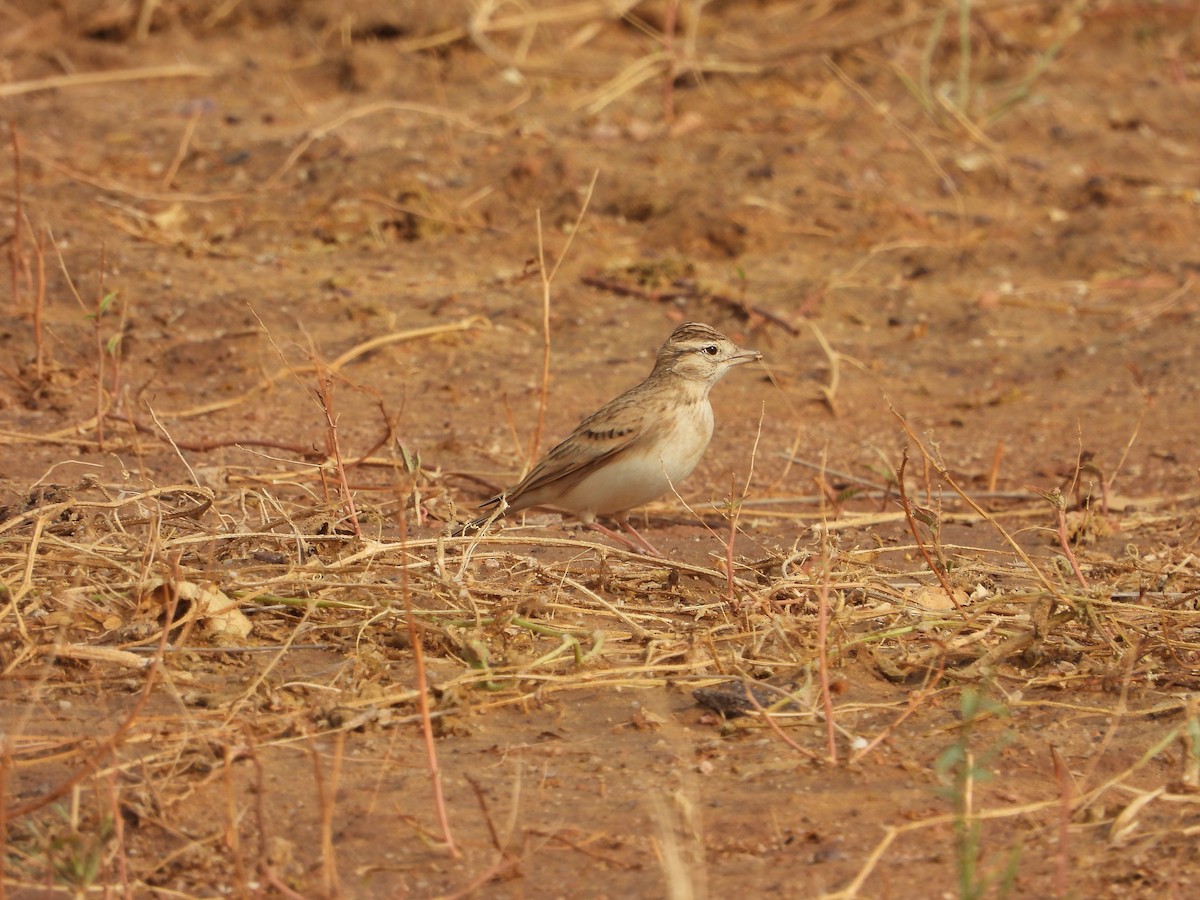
x,y
416,642
547,276
910,518
60,82
688,290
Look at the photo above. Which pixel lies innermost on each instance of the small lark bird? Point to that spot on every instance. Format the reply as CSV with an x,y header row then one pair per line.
x,y
637,447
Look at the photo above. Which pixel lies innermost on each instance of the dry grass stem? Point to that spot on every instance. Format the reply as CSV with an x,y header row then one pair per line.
x,y
547,278
60,82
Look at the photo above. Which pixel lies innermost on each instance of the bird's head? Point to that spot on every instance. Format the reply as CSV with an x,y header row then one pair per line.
x,y
701,353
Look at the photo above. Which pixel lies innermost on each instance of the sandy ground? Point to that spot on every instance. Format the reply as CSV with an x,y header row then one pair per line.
x,y
236,223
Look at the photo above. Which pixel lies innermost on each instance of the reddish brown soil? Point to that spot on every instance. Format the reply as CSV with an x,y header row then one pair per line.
x,y
1021,289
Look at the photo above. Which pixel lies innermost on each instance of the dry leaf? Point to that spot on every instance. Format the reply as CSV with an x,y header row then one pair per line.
x,y
929,597
216,612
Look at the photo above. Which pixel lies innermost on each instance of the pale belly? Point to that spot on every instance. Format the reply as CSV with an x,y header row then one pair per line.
x,y
635,479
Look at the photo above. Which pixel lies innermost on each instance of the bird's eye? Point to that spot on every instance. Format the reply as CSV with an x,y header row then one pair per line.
x,y
711,350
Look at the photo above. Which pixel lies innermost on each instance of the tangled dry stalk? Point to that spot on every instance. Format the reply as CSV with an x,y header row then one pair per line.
x,y
518,619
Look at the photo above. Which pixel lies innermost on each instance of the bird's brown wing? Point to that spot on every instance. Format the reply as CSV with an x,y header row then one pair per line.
x,y
568,464
593,443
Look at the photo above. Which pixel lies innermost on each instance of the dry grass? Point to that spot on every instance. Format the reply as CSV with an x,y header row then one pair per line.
x,y
518,619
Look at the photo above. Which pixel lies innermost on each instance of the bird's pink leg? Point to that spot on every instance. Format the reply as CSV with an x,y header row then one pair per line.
x,y
616,536
623,521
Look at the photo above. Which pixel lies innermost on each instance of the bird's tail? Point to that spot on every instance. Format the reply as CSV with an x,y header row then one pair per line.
x,y
498,506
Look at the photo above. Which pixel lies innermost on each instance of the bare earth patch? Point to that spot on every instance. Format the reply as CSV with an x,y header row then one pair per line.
x,y
279,306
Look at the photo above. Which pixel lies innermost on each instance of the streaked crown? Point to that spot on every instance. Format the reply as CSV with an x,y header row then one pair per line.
x,y
698,351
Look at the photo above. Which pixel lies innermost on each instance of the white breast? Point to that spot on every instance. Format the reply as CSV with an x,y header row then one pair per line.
x,y
638,477
679,454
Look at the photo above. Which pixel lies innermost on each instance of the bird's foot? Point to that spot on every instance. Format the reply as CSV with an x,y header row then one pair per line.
x,y
621,539
638,545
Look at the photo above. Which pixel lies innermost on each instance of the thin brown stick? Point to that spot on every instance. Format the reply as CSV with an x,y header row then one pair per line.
x,y
1144,315
527,18
547,279
790,456
912,526
141,28
31,555
891,832
688,290
994,473
101,407
217,443
835,367
166,435
1064,540
57,82
409,334
1106,484
334,449
774,726
416,639
181,152
481,799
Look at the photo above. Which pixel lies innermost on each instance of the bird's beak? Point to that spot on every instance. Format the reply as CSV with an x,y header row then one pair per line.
x,y
745,356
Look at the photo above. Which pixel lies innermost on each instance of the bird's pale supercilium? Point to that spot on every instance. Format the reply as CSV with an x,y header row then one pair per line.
x,y
637,447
